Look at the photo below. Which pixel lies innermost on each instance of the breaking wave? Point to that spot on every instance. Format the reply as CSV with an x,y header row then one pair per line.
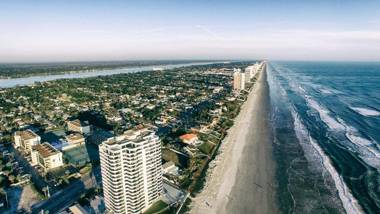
x,y
350,204
324,114
368,149
366,112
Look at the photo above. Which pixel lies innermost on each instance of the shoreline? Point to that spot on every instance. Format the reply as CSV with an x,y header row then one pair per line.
x,y
224,189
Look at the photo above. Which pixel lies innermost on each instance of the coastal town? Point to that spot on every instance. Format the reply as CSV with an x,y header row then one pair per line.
x,y
139,142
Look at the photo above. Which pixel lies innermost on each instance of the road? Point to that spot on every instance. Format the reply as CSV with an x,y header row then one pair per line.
x,y
70,194
36,178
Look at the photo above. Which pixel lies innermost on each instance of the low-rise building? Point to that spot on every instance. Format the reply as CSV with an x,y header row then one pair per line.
x,y
82,127
73,140
46,156
170,168
75,151
189,139
77,209
26,140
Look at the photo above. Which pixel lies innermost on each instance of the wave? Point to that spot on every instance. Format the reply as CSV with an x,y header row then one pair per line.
x,y
365,111
350,204
368,148
324,114
325,91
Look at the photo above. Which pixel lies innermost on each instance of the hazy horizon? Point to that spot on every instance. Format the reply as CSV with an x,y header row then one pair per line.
x,y
72,31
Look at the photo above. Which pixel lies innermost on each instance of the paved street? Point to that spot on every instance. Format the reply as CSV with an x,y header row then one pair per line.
x,y
64,198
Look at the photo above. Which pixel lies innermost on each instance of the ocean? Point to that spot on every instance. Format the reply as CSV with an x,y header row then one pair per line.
x,y
326,125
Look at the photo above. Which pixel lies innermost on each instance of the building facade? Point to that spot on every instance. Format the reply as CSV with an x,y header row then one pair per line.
x,y
26,140
82,127
74,140
251,71
131,171
239,81
46,156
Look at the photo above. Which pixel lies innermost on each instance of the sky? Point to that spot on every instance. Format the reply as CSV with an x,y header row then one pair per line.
x,y
334,30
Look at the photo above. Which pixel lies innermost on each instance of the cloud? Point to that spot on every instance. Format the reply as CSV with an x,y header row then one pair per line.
x,y
209,32
195,41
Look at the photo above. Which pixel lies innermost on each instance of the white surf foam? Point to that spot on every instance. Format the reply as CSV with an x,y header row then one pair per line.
x,y
302,89
367,148
350,204
323,112
324,115
325,91
366,111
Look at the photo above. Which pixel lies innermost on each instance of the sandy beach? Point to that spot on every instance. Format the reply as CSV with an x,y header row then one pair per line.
x,y
242,180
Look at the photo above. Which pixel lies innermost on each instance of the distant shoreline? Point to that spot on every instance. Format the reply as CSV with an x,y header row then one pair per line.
x,y
25,81
59,68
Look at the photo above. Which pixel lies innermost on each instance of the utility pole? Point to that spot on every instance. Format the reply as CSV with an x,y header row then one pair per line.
x,y
6,198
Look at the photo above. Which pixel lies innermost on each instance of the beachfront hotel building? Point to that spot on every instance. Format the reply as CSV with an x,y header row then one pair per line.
x,y
239,80
131,171
26,140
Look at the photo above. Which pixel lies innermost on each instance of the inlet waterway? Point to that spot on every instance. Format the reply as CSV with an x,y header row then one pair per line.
x,y
9,83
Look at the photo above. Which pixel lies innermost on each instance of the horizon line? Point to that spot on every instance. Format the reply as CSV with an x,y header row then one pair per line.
x,y
178,60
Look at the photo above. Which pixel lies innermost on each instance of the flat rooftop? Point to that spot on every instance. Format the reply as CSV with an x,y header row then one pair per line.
x,y
45,150
132,135
77,122
27,134
74,137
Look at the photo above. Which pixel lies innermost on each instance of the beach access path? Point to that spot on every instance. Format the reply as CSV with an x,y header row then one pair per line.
x,y
242,180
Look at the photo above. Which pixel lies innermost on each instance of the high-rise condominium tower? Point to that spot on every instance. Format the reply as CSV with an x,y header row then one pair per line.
x,y
239,80
131,171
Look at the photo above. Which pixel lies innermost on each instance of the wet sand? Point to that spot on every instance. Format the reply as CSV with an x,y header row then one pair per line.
x,y
242,180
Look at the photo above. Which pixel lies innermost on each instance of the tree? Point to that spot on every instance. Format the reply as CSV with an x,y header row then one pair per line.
x,y
7,172
12,178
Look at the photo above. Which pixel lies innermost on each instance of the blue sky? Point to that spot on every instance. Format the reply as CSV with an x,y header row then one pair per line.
x,y
121,30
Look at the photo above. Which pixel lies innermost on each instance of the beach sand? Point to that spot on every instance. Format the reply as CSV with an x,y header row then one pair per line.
x,y
242,180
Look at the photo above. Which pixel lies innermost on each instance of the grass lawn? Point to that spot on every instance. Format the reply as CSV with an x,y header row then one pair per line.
x,y
206,148
158,207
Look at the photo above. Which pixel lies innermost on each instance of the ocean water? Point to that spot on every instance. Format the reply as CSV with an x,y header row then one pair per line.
x,y
326,123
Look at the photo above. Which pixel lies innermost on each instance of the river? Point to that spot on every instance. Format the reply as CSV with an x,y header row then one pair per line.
x,y
9,83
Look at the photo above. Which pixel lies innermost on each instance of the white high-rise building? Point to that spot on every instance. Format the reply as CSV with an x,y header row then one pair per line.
x,y
247,76
239,80
251,71
131,171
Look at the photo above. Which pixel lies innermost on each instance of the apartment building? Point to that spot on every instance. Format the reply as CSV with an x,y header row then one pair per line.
x,y
46,156
26,140
74,140
131,171
82,127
